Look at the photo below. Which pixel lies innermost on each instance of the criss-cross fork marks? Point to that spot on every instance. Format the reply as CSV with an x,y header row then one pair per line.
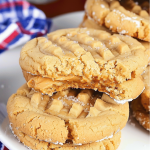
x,y
83,58
81,41
92,54
73,103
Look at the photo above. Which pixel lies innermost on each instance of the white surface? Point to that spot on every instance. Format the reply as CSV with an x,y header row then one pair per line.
x,y
134,137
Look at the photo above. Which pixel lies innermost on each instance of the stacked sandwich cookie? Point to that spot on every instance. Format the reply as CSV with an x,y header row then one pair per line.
x,y
79,82
131,19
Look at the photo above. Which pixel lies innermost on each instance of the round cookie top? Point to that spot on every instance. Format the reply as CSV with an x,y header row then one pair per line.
x,y
81,116
88,57
83,52
129,20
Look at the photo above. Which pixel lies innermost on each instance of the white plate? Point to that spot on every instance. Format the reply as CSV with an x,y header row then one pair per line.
x,y
134,137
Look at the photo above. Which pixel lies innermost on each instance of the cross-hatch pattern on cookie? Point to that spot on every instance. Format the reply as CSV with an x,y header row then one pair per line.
x,y
85,58
81,116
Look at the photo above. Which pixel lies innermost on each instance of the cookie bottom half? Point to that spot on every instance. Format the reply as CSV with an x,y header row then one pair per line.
x,y
111,143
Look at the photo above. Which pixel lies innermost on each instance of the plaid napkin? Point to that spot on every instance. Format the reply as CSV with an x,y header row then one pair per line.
x,y
20,22
2,147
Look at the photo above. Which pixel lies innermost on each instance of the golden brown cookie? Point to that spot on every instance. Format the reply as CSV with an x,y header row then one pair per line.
x,y
141,115
133,22
145,96
85,58
110,143
81,116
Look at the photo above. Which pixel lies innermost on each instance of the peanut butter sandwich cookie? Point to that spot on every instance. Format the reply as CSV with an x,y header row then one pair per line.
x,y
85,58
145,96
141,115
74,116
127,18
110,143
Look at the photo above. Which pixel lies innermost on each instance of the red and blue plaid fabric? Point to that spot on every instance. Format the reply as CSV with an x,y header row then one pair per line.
x,y
2,147
20,22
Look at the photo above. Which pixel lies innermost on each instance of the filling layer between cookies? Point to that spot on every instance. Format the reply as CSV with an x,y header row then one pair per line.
x,y
124,92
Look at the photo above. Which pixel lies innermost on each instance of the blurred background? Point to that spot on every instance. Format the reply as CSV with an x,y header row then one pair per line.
x,y
54,8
